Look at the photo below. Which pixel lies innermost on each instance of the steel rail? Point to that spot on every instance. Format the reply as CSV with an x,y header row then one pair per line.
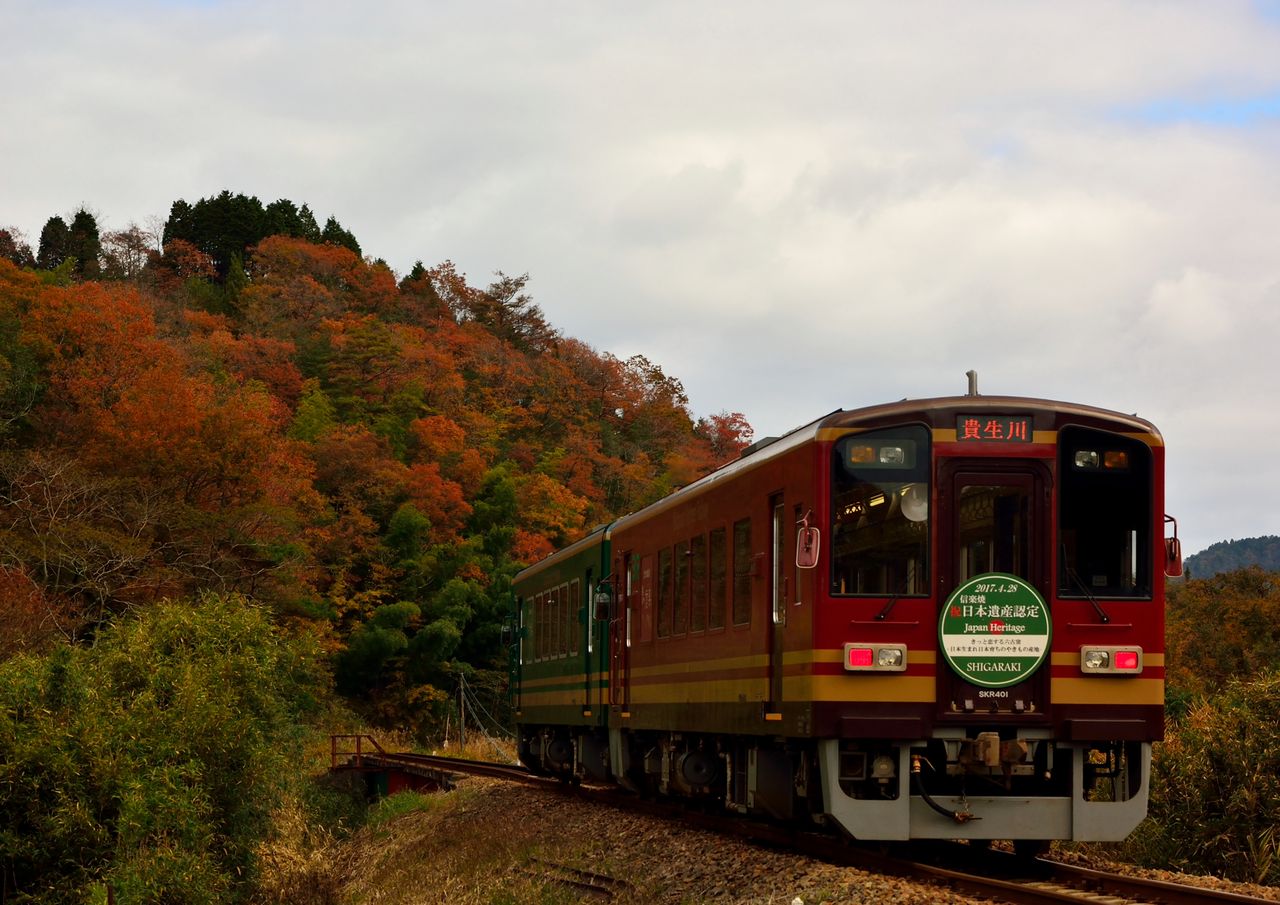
x,y
1162,891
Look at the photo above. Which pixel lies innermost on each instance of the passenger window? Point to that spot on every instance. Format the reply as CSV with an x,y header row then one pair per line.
x,y
553,620
664,592
742,572
540,603
718,554
681,609
698,583
575,619
562,595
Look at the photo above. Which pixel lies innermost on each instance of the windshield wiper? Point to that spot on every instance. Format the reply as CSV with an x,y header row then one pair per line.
x,y
888,607
1071,573
902,588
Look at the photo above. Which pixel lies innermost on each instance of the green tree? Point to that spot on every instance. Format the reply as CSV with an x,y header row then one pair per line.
x,y
372,647
222,227
151,762
334,234
315,416
85,245
55,244
307,227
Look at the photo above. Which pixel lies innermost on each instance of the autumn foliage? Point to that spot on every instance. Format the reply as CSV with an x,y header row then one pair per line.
x,y
373,458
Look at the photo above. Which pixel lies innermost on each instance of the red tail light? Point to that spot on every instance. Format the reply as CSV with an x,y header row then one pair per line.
x,y
859,657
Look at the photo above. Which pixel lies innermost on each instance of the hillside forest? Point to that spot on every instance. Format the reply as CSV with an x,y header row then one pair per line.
x,y
244,404
1230,555
255,487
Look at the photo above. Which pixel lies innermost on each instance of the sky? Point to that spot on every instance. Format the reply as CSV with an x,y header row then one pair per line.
x,y
792,208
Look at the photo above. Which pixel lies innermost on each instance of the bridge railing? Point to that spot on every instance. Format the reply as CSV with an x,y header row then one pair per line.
x,y
354,748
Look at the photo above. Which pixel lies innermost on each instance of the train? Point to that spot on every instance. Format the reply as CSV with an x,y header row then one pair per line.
x,y
928,619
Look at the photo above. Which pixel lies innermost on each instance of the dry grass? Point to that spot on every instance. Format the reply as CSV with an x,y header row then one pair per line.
x,y
297,862
302,862
471,847
478,748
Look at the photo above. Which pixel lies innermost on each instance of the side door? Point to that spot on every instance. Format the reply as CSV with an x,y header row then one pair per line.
x,y
778,595
620,633
994,521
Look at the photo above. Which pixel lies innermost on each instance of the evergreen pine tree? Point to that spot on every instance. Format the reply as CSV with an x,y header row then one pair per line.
x,y
55,239
85,245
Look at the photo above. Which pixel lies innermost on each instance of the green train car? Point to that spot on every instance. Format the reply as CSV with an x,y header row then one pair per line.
x,y
560,660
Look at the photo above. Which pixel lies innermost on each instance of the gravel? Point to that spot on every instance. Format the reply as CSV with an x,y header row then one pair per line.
x,y
494,843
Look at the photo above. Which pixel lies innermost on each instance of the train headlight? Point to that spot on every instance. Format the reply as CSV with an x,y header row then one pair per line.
x,y
875,657
1112,661
889,657
893,455
1087,458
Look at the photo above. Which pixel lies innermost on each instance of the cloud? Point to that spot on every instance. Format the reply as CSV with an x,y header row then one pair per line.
x,y
792,209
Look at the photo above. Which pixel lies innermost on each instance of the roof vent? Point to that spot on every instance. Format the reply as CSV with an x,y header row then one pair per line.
x,y
757,446
973,382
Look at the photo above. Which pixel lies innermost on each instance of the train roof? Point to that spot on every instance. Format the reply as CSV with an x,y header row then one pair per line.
x,y
843,419
941,405
762,451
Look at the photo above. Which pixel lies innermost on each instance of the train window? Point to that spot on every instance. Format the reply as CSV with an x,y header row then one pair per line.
x,y
698,583
994,530
645,632
1104,515
525,610
540,605
561,641
680,612
664,592
553,624
742,572
718,558
566,618
575,617
880,513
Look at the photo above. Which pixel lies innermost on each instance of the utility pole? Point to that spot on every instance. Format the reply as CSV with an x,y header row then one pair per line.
x,y
462,713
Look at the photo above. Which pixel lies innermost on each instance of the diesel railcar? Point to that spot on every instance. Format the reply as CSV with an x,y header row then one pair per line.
x,y
938,618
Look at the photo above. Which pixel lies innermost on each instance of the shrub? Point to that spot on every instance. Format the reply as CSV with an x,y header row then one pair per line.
x,y
151,762
1215,799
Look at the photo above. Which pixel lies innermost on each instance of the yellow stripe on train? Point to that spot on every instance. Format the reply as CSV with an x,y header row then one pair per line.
x,y
1106,690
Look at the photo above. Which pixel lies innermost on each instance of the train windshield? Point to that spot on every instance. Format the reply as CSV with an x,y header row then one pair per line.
x,y
880,513
1104,515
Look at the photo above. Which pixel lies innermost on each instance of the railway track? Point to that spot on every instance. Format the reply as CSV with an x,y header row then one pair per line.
x,y
1003,877
597,884
1054,883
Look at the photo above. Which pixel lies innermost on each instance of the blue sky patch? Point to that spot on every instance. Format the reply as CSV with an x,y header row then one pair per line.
x,y
1243,111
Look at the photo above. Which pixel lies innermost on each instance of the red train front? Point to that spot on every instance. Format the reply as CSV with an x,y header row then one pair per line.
x,y
932,619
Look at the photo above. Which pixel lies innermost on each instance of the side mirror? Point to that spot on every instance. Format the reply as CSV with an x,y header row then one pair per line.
x,y
1173,551
808,542
602,598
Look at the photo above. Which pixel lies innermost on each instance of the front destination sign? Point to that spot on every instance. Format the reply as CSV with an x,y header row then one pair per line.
x,y
995,630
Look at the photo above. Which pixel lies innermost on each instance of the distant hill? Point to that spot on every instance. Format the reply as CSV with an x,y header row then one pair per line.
x,y
1229,555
